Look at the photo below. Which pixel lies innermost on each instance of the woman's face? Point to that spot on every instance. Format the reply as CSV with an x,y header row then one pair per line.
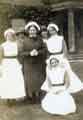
x,y
44,34
52,31
11,37
32,31
54,62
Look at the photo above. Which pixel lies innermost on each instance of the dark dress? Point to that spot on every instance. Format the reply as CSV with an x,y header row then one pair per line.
x,y
33,66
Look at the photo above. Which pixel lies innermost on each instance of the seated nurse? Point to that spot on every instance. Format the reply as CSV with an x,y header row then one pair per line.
x,y
57,101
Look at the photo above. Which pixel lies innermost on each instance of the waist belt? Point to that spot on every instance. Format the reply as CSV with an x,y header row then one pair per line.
x,y
10,57
56,53
61,84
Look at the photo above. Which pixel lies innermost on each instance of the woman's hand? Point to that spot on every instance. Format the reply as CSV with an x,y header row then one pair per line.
x,y
34,52
54,90
59,91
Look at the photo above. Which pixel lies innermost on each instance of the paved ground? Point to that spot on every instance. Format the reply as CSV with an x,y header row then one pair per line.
x,y
25,111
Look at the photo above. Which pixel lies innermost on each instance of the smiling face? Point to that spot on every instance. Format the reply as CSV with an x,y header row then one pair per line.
x,y
32,31
54,62
52,31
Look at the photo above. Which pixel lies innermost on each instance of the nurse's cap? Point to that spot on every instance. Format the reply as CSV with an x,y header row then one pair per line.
x,y
32,23
53,26
10,30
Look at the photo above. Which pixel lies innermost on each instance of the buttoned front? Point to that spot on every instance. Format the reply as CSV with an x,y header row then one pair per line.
x,y
34,66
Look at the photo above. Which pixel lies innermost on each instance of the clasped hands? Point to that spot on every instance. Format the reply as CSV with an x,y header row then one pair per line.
x,y
34,52
55,91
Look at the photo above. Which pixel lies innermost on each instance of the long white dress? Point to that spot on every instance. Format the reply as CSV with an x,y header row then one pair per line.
x,y
61,103
55,45
12,81
57,100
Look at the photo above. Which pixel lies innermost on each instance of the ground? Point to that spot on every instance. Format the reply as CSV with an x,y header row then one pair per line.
x,y
25,111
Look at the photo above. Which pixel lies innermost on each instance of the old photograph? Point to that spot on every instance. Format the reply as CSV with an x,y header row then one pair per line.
x,y
41,59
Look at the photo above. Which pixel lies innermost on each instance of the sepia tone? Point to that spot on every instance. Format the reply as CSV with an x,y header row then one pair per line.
x,y
68,14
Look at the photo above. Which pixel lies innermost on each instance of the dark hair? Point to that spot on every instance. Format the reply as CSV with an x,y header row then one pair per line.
x,y
26,31
43,28
32,26
54,59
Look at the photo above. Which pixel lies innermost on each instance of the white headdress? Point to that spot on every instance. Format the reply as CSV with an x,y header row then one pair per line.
x,y
10,30
32,23
54,26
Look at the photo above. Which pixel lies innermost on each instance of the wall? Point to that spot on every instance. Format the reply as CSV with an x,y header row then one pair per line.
x,y
4,21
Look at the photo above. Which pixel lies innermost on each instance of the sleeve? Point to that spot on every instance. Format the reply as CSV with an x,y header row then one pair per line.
x,y
64,48
66,80
46,85
43,49
75,84
22,52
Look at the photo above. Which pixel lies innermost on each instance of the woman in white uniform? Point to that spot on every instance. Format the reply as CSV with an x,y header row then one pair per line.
x,y
56,46
12,81
58,100
55,43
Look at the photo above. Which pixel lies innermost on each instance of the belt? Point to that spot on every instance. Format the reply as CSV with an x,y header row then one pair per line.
x,y
10,57
56,53
58,84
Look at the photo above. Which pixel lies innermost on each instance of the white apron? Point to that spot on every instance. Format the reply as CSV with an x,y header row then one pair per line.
x,y
55,102
12,81
55,46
